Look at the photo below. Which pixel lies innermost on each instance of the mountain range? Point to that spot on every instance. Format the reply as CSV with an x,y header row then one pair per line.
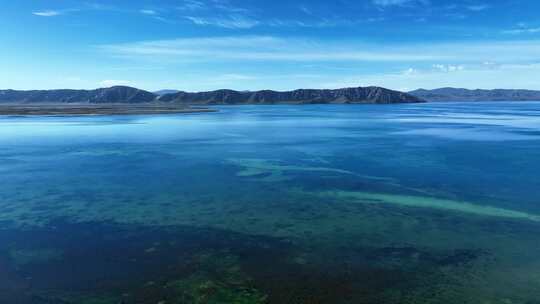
x,y
457,94
304,96
123,94
375,95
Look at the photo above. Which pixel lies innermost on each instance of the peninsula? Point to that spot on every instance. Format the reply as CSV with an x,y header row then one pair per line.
x,y
97,109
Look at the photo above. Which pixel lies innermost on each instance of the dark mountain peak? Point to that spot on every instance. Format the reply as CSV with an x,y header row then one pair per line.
x,y
121,94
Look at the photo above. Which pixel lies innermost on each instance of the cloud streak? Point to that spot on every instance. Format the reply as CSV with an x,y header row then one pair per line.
x,y
260,48
192,5
388,3
47,13
53,13
231,22
478,7
522,29
448,68
270,48
148,12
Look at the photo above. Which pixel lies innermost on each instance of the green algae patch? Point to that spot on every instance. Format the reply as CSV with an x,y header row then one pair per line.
x,y
429,202
199,289
218,279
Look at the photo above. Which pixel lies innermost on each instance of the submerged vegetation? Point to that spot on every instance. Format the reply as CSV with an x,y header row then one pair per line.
x,y
218,279
212,210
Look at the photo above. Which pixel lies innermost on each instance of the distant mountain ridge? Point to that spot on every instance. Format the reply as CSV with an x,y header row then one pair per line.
x,y
458,94
376,95
123,94
116,94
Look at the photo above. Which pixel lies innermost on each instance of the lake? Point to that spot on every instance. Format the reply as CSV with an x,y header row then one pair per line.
x,y
415,203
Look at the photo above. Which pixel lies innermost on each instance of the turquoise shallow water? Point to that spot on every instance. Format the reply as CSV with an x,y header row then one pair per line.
x,y
426,203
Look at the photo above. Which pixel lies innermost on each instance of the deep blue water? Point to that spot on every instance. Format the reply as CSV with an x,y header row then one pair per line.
x,y
422,203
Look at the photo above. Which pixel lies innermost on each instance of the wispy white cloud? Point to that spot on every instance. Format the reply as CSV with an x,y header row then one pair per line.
x,y
148,12
47,13
524,31
113,82
192,5
215,5
387,3
226,6
230,22
245,22
99,6
265,48
306,10
447,68
54,13
410,71
522,28
219,13
156,15
320,22
478,7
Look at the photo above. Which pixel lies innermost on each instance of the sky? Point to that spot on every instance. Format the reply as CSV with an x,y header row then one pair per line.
x,y
196,45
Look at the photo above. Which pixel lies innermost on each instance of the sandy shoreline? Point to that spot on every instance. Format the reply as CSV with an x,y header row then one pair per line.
x,y
97,109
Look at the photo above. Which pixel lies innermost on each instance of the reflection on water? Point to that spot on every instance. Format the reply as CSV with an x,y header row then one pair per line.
x,y
431,203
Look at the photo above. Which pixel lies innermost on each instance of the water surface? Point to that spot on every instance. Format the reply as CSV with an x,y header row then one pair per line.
x,y
420,203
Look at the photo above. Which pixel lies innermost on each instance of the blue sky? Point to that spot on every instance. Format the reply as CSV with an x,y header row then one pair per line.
x,y
198,45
